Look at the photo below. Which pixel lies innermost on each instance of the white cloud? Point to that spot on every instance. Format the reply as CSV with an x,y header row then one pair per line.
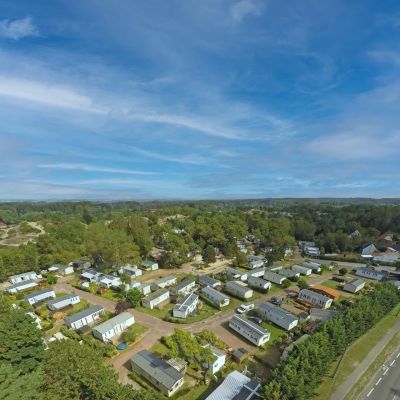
x,y
243,8
91,168
18,28
52,95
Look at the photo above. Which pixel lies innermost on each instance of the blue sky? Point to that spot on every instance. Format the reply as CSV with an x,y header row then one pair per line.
x,y
199,99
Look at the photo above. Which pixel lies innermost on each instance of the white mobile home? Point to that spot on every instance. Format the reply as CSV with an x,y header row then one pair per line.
x,y
314,298
255,262
62,269
274,277
91,275
354,285
109,281
130,271
238,290
154,299
26,276
249,330
148,265
186,306
64,301
290,274
110,329
315,266
163,282
278,316
259,283
40,296
219,362
370,274
21,286
85,317
214,297
185,287
256,273
236,274
302,270
205,280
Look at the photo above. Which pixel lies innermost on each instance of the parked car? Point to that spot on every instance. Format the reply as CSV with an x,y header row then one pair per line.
x,y
276,301
245,308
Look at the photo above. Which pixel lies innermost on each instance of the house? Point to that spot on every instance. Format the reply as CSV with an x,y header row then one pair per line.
x,y
274,268
303,244
144,288
186,306
289,273
40,296
91,275
257,273
311,251
64,301
236,386
354,285
259,283
148,265
386,258
249,330
21,286
163,282
314,298
302,270
85,317
205,280
277,315
185,287
154,299
370,274
26,276
317,314
236,274
315,266
80,264
109,281
274,277
238,290
219,361
113,327
214,297
157,372
62,269
368,251
327,291
130,271
241,246
255,262
288,349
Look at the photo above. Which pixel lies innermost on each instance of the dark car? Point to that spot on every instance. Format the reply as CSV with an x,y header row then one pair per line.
x,y
276,301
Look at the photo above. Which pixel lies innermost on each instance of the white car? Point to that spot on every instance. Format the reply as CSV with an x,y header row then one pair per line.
x,y
245,308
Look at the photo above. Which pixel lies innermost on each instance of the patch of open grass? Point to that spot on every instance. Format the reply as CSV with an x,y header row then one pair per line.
x,y
206,311
356,354
162,313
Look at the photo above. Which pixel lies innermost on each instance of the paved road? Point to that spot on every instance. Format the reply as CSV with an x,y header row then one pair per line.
x,y
386,383
157,327
359,371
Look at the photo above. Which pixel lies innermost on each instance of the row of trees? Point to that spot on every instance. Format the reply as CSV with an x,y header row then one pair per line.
x,y
68,370
299,375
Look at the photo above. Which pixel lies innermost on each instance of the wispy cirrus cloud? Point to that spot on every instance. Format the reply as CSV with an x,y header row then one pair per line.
x,y
93,168
18,28
243,8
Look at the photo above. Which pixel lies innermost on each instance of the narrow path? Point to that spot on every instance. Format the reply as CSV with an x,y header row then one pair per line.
x,y
359,371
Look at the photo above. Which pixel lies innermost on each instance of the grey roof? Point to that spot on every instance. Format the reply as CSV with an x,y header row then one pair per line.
x,y
38,293
23,283
208,281
237,286
256,329
165,279
62,298
23,274
186,302
106,326
82,314
185,282
355,282
155,294
279,312
158,369
288,273
214,293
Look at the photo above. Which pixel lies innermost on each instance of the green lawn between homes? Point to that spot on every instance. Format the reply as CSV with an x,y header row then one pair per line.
x,y
355,354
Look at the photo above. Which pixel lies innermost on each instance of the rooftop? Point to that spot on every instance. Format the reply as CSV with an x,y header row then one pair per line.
x,y
112,322
82,314
156,294
38,293
62,298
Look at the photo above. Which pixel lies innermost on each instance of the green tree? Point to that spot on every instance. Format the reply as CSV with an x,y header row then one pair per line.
x,y
21,342
342,271
209,254
133,297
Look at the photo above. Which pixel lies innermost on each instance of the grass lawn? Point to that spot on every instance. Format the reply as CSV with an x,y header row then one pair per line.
x,y
111,295
275,331
160,349
155,312
393,344
331,284
356,353
206,311
78,307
